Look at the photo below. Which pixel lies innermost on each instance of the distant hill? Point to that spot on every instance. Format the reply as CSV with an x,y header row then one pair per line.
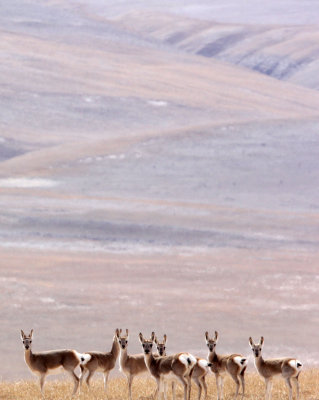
x,y
285,52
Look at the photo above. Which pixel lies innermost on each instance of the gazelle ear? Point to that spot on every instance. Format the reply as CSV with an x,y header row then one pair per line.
x,y
141,337
165,338
251,342
206,335
31,333
155,340
117,333
216,336
22,334
153,336
261,341
127,333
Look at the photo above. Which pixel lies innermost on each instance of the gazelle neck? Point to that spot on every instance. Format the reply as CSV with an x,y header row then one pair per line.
x,y
212,355
123,354
259,361
148,358
115,348
28,356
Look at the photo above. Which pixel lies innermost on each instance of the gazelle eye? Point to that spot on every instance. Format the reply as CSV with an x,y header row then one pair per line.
x,y
143,345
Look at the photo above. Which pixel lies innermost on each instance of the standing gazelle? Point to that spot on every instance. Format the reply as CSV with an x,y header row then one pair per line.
x,y
130,365
161,350
179,366
200,370
100,362
234,364
51,362
288,368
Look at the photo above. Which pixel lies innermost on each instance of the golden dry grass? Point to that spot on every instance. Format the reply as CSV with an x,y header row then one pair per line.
x,y
143,389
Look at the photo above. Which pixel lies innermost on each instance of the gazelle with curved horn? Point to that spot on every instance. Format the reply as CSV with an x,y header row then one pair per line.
x,y
100,362
233,364
288,368
179,366
51,362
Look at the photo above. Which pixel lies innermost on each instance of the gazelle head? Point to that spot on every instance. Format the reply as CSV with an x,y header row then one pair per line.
x,y
26,339
256,348
211,343
123,340
161,346
147,343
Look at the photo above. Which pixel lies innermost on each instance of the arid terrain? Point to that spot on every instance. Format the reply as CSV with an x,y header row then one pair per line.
x,y
159,171
143,388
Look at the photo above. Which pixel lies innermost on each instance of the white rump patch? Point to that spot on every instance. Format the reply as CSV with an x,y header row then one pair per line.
x,y
203,363
239,361
83,358
295,364
188,360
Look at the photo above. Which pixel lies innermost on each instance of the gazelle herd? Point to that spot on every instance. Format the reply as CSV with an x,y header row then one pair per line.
x,y
176,368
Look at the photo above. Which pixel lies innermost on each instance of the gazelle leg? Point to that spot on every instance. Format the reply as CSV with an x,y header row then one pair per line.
x,y
165,389
158,389
81,377
289,388
76,381
185,385
162,389
42,379
217,386
242,378
221,386
236,380
268,389
204,386
199,387
105,379
130,380
296,383
88,378
173,390
189,387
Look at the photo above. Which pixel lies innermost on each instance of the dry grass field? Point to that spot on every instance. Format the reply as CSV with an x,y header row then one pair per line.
x,y
143,389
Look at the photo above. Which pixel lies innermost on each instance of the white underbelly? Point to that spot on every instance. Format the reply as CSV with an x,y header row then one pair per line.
x,y
100,369
170,376
56,371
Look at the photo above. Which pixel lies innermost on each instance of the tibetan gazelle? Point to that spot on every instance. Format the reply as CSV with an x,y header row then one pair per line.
x,y
130,365
51,362
161,350
288,368
178,366
200,370
234,364
100,362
